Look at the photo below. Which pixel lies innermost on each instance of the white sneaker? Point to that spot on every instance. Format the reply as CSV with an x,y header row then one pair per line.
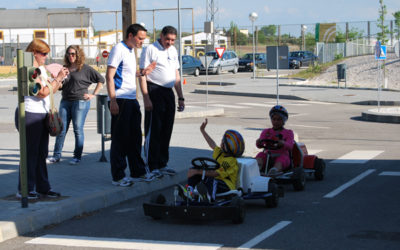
x,y
167,171
148,177
124,182
157,173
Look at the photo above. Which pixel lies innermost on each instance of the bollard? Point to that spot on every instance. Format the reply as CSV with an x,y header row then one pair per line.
x,y
103,123
341,74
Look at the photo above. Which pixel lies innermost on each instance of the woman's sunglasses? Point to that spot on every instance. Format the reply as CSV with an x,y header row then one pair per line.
x,y
71,54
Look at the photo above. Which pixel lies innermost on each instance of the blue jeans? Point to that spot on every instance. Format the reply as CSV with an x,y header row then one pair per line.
x,y
77,112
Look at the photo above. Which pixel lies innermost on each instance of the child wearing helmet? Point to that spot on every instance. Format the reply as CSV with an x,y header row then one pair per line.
x,y
284,140
225,177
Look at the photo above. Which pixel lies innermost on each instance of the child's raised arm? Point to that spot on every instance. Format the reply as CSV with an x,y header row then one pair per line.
x,y
209,140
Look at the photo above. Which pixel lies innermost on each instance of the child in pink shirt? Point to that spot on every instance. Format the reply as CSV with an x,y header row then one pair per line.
x,y
284,142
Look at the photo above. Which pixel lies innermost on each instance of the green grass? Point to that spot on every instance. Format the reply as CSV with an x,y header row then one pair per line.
x,y
314,71
8,75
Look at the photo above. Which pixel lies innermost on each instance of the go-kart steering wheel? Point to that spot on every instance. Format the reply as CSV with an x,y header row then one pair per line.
x,y
269,143
205,163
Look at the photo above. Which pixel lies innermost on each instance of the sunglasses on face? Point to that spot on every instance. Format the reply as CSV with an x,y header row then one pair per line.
x,y
71,54
43,54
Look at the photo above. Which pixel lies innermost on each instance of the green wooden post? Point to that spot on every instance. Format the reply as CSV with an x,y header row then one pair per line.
x,y
22,132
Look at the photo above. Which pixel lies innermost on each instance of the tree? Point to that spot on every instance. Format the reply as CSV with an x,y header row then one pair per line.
x,y
354,33
397,23
261,38
269,30
381,36
241,39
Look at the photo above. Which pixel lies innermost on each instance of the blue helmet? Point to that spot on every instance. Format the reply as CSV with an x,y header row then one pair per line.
x,y
281,111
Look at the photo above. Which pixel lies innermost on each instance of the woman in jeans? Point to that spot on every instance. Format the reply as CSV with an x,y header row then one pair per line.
x,y
37,134
75,102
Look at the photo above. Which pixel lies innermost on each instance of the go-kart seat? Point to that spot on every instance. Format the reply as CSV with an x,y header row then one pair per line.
x,y
239,182
296,155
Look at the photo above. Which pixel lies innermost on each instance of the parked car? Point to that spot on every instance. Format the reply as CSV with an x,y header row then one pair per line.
x,y
228,62
191,65
246,62
298,59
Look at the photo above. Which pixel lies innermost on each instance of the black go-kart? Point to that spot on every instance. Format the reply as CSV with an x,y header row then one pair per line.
x,y
227,206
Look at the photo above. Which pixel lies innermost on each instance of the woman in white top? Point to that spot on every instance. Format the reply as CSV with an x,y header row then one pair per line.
x,y
37,134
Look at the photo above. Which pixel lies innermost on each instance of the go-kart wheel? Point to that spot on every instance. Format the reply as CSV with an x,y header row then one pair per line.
x,y
272,201
240,211
299,179
157,199
319,167
205,163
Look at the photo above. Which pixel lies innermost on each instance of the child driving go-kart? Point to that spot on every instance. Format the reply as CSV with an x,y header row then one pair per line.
x,y
207,183
277,142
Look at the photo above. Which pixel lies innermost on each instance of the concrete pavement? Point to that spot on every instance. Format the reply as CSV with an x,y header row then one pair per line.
x,y
87,186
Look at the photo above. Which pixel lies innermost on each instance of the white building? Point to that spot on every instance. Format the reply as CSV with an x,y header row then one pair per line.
x,y
58,27
201,40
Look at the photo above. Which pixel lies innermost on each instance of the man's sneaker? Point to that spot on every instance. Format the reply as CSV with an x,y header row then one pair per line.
x,y
148,177
157,173
167,171
124,182
74,161
32,195
52,159
51,194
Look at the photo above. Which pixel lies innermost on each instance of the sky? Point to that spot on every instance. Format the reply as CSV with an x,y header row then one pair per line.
x,y
288,13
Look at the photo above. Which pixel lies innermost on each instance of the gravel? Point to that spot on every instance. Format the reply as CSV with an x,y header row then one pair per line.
x,y
362,72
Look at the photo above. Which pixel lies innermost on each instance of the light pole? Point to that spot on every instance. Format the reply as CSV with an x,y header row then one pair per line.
x,y
253,16
303,32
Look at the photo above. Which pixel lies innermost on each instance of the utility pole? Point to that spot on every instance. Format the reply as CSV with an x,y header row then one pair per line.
x,y
128,15
211,10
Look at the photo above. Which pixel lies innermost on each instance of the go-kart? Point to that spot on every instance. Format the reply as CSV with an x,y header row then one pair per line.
x,y
301,164
228,205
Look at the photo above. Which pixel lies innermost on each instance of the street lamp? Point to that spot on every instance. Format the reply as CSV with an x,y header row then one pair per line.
x,y
303,32
253,16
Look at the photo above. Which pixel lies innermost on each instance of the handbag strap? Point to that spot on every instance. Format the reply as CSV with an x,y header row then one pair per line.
x,y
51,94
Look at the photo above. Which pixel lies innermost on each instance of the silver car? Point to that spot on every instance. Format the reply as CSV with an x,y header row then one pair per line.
x,y
228,62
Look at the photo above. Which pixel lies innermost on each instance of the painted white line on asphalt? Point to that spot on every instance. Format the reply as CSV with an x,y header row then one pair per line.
x,y
348,184
7,171
116,243
251,243
228,106
308,126
296,115
390,173
124,210
254,104
316,102
313,151
357,156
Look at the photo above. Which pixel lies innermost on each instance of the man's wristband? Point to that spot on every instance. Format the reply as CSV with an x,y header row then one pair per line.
x,y
181,99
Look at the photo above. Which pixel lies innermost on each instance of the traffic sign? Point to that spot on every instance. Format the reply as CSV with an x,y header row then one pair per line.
x,y
220,51
105,53
380,51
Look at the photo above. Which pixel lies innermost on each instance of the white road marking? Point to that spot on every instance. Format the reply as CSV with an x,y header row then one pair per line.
x,y
316,102
389,173
254,104
228,106
7,171
313,151
116,243
348,184
309,126
357,157
251,243
124,210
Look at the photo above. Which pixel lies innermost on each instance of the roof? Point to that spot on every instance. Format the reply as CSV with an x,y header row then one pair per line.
x,y
37,18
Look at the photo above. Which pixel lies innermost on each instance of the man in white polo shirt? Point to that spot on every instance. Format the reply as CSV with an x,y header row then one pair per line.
x,y
126,132
159,99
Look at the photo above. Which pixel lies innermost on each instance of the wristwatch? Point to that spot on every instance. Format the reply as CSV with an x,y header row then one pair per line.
x,y
181,99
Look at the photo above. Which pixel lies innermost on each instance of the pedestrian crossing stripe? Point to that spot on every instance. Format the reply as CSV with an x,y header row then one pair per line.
x,y
118,243
390,173
255,104
357,157
228,106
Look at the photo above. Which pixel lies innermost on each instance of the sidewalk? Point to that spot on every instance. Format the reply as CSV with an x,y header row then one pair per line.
x,y
87,186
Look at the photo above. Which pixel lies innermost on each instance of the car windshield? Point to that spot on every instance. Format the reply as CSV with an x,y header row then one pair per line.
x,y
248,57
296,54
213,54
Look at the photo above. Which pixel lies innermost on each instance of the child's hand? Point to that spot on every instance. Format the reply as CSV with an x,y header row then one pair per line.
x,y
203,125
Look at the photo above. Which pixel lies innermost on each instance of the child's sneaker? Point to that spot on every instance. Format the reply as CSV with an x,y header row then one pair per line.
x,y
167,171
32,195
124,182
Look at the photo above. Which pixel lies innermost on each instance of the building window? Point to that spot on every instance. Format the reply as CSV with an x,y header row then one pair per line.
x,y
80,33
188,42
1,35
221,41
204,41
39,34
102,45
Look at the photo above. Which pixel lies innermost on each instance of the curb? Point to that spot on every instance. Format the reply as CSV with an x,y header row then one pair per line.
x,y
71,207
202,113
375,116
215,92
